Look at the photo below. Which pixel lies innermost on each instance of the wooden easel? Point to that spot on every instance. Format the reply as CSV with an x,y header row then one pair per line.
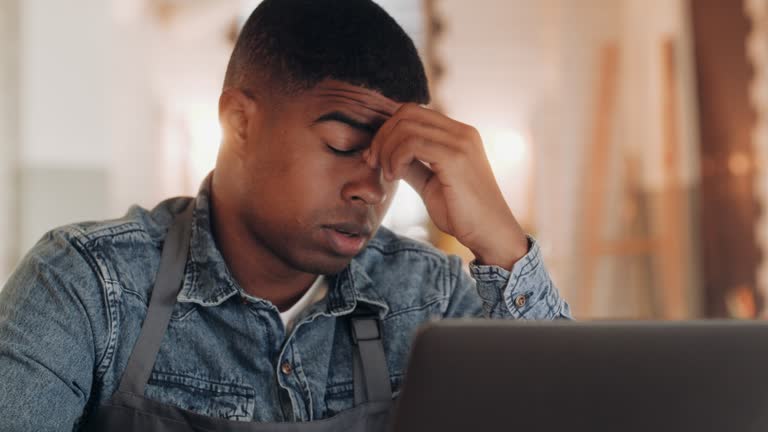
x,y
665,248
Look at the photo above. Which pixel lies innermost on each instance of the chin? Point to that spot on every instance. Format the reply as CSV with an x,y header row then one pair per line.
x,y
327,266
317,262
313,258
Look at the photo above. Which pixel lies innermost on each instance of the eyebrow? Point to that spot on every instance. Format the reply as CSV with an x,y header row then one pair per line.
x,y
339,116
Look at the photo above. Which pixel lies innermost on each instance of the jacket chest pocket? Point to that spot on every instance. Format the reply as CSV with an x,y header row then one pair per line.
x,y
341,397
201,395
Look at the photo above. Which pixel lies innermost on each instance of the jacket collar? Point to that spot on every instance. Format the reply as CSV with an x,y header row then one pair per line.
x,y
208,281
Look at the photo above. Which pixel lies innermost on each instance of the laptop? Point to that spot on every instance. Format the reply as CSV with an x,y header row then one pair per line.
x,y
586,376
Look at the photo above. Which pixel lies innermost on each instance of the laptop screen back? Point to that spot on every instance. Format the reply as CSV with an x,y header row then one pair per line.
x,y
606,376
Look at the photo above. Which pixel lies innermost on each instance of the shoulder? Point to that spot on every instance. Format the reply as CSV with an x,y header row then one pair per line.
x,y
96,250
139,224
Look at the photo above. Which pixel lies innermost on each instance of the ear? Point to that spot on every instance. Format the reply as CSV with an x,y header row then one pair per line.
x,y
239,115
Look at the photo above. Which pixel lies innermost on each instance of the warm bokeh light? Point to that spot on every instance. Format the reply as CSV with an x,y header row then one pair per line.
x,y
407,214
506,147
204,139
510,156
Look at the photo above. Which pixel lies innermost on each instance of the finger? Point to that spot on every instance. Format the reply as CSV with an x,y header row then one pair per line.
x,y
379,138
418,175
415,148
406,130
403,130
401,159
432,118
421,115
406,166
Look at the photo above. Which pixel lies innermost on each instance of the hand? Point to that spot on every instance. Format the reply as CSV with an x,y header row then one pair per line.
x,y
445,162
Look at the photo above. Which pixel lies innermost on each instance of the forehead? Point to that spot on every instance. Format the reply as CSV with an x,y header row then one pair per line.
x,y
332,95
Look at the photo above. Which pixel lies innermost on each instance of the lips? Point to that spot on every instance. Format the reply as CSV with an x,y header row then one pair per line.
x,y
351,228
347,239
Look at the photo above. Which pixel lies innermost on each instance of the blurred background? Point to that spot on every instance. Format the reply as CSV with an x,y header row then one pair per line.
x,y
629,136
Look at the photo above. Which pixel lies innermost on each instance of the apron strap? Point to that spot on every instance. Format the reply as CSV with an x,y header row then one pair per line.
x,y
371,374
167,287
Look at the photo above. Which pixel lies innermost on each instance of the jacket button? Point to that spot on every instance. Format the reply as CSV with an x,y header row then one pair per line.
x,y
520,301
286,368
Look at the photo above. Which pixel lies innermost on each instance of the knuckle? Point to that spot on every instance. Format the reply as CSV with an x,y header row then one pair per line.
x,y
470,133
399,128
408,108
412,127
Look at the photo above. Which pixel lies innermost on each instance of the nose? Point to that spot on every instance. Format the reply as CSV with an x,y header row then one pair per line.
x,y
368,187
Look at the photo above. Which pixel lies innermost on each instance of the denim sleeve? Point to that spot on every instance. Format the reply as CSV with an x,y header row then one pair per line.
x,y
526,292
47,348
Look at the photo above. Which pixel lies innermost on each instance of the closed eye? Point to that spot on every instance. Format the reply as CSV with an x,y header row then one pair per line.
x,y
343,153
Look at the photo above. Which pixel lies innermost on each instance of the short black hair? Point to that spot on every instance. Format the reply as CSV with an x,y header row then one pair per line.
x,y
292,45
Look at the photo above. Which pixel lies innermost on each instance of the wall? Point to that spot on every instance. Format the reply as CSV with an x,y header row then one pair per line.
x,y
9,40
531,66
104,84
63,115
647,26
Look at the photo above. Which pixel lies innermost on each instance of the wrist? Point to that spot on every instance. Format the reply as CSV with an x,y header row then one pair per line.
x,y
507,250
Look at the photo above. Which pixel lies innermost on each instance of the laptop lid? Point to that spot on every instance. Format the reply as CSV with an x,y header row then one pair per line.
x,y
580,376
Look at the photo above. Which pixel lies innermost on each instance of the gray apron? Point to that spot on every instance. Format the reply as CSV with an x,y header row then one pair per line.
x,y
129,411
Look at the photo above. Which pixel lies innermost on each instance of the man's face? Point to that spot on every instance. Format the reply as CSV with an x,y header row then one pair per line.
x,y
308,195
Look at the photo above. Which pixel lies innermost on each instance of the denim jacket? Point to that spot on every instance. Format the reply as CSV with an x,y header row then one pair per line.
x,y
71,313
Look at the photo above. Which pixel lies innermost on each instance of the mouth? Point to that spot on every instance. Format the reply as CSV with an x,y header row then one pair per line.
x,y
347,239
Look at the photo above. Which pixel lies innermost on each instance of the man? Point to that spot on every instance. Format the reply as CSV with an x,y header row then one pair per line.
x,y
322,114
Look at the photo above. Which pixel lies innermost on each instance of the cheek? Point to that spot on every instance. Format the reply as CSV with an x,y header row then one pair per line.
x,y
282,159
302,185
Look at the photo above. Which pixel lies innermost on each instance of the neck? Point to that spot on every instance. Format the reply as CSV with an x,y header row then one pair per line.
x,y
257,270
